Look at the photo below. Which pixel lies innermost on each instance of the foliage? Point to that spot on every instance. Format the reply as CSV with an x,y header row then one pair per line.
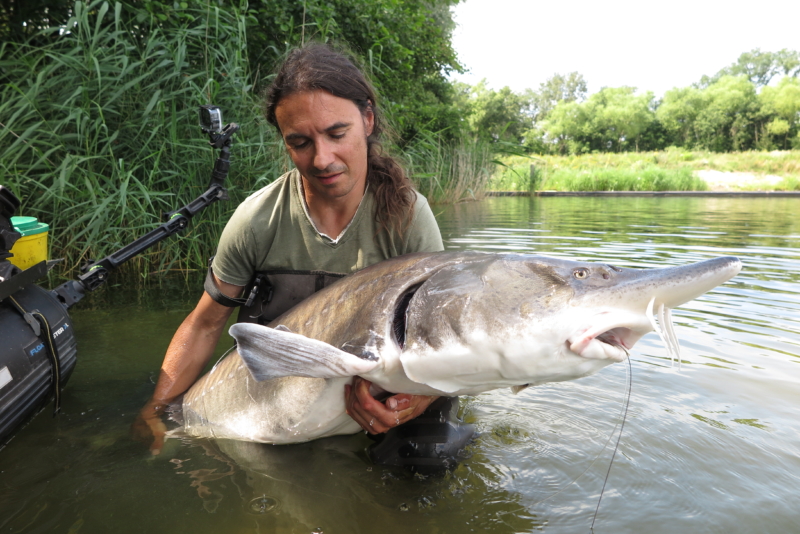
x,y
726,115
405,44
613,119
98,127
740,108
729,107
760,67
494,116
782,103
99,130
516,169
558,88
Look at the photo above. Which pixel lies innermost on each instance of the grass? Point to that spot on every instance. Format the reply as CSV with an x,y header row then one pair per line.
x,y
651,178
667,170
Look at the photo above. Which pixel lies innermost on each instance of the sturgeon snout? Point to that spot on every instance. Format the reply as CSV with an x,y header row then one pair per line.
x,y
644,300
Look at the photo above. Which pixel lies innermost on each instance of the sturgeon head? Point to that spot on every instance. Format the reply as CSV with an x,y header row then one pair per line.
x,y
468,322
518,320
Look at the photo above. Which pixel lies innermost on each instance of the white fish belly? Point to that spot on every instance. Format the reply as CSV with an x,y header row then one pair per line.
x,y
228,403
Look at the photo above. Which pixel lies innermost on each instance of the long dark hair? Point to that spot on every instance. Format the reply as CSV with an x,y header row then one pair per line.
x,y
319,66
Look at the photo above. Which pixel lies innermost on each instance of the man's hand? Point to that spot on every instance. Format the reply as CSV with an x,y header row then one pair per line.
x,y
149,426
377,417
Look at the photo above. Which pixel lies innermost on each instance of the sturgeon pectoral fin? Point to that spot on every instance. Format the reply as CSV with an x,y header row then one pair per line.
x,y
270,353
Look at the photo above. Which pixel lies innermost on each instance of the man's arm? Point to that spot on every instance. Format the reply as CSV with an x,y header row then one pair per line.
x,y
188,353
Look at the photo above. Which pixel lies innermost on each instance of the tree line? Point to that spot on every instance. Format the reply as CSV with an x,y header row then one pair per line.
x,y
406,47
753,104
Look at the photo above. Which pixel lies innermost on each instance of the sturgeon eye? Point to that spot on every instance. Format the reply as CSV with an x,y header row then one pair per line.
x,y
581,273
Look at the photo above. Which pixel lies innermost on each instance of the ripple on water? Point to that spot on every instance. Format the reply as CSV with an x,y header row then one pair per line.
x,y
712,447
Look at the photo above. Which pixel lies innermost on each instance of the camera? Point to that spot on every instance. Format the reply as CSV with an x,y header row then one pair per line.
x,y
211,119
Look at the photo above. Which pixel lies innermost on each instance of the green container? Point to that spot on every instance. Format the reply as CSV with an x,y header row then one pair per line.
x,y
29,226
31,248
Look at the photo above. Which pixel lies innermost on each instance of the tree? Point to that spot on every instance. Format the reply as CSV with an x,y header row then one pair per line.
x,y
726,120
782,104
678,112
565,127
495,115
613,119
558,88
760,67
620,116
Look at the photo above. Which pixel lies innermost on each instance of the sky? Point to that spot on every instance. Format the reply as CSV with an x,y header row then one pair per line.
x,y
653,46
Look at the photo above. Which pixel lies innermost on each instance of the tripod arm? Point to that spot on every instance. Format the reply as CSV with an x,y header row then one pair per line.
x,y
96,274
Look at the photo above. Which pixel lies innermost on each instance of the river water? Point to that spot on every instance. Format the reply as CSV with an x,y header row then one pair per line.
x,y
711,447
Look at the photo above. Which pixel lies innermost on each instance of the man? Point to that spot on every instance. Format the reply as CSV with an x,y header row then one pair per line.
x,y
347,205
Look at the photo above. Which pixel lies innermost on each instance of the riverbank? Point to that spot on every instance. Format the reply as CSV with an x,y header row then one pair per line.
x,y
670,170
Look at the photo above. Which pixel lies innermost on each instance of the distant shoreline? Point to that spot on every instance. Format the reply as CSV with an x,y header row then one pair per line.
x,y
739,194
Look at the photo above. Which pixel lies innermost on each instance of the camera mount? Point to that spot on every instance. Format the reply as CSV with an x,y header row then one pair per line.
x,y
96,273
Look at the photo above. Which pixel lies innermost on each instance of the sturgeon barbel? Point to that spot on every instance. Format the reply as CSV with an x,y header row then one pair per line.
x,y
449,323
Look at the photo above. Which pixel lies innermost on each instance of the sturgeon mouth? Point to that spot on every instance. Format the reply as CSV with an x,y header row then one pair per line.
x,y
609,340
604,344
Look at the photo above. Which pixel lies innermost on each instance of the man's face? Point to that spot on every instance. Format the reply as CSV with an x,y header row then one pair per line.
x,y
326,137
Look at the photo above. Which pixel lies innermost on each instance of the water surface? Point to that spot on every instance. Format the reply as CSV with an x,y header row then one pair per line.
x,y
712,447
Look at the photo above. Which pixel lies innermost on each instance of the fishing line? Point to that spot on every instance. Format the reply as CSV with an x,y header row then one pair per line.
x,y
616,448
623,410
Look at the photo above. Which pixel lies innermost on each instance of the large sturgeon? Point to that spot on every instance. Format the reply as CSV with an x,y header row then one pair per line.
x,y
436,324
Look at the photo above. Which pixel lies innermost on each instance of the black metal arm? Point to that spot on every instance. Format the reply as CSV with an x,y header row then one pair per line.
x,y
96,274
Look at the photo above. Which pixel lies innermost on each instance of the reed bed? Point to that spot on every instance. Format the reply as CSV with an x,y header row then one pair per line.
x,y
449,173
668,170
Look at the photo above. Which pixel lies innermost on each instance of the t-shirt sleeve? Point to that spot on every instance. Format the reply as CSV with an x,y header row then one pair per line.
x,y
234,262
423,232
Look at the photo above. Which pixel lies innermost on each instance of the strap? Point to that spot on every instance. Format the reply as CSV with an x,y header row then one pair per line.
x,y
210,285
276,291
41,327
22,279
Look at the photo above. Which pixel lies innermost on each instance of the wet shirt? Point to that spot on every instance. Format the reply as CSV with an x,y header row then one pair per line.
x,y
271,230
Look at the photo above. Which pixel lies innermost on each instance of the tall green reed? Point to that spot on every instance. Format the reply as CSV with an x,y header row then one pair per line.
x,y
447,173
99,135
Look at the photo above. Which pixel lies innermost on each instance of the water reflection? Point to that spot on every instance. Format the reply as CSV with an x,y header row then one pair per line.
x,y
327,484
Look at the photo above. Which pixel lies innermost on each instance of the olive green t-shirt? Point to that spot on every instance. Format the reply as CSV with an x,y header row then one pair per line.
x,y
270,230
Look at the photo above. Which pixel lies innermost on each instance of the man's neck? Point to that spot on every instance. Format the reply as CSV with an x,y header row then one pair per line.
x,y
330,216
